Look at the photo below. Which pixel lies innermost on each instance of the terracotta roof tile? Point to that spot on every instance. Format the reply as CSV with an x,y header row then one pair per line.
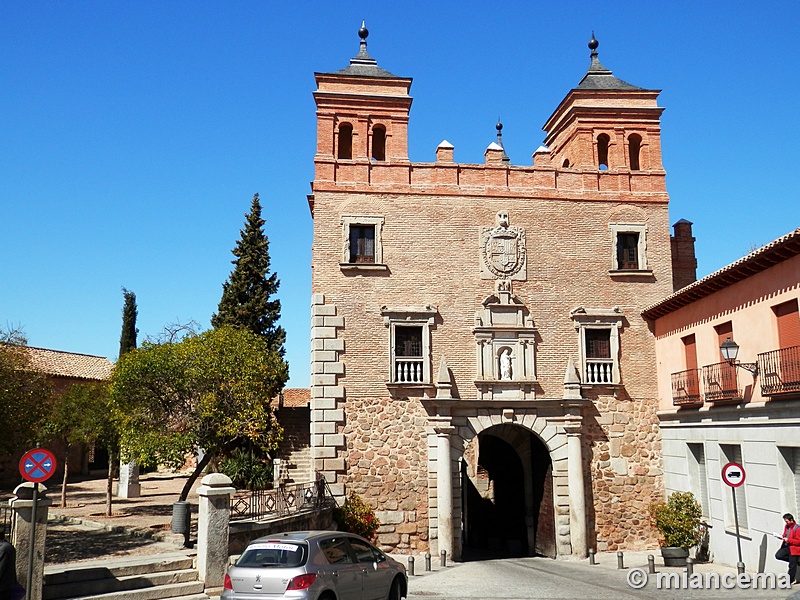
x,y
70,364
296,397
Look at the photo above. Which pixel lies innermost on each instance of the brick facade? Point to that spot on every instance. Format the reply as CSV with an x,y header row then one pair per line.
x,y
479,261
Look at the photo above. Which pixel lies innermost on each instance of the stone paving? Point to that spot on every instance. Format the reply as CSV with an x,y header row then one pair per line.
x,y
82,531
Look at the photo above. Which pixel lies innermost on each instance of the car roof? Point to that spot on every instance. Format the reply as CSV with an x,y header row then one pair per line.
x,y
301,536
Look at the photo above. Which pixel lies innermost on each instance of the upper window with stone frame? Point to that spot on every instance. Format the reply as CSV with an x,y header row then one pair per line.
x,y
362,243
629,248
598,339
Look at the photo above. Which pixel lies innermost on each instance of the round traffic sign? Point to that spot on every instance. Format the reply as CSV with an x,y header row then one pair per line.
x,y
37,465
733,474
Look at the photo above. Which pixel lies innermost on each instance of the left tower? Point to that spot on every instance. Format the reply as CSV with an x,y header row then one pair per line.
x,y
362,117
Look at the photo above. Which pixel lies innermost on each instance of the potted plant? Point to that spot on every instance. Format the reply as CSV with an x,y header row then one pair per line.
x,y
678,522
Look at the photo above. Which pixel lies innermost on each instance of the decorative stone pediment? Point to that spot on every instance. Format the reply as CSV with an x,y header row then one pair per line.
x,y
506,347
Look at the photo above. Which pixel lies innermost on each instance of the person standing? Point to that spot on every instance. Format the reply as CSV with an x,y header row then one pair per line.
x,y
8,567
791,536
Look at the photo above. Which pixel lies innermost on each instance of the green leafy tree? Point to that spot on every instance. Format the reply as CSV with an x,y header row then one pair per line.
x,y
127,339
248,295
24,393
79,416
209,392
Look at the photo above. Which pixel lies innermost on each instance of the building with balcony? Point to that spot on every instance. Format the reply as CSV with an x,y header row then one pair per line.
x,y
481,371
714,411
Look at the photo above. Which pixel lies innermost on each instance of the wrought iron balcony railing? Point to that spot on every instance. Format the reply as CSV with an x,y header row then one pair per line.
x,y
779,371
720,383
686,388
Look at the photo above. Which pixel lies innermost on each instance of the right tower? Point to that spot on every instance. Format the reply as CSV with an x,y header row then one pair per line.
x,y
606,124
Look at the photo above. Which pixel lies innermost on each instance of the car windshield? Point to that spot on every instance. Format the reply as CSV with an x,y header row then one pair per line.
x,y
273,554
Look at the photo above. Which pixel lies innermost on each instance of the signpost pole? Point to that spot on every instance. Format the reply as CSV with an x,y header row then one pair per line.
x,y
36,465
32,547
736,521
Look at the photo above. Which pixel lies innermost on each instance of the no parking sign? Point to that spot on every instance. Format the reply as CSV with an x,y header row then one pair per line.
x,y
37,465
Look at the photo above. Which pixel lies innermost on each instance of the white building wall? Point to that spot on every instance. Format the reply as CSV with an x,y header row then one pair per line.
x,y
770,488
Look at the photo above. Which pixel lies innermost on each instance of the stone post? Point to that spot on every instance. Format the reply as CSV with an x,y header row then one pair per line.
x,y
213,528
129,486
22,507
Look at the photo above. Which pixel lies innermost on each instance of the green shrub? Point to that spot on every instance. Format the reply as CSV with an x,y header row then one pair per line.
x,y
356,516
678,520
246,471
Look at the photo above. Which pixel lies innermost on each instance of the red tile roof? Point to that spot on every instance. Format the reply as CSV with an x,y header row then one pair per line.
x,y
295,397
784,248
70,364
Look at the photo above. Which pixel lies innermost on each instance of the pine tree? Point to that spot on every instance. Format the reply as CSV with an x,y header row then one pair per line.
x,y
246,296
127,339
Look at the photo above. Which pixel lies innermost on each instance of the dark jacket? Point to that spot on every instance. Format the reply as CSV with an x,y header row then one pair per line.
x,y
8,566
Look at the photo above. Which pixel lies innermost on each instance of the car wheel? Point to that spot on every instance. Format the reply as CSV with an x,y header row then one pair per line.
x,y
396,592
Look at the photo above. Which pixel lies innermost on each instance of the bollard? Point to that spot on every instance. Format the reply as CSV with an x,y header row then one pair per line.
x,y
689,566
740,567
651,564
427,561
443,558
411,566
591,556
620,560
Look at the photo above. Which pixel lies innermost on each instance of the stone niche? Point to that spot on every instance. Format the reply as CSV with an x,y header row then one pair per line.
x,y
506,347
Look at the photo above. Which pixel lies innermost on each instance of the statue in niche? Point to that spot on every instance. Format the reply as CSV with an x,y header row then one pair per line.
x,y
505,365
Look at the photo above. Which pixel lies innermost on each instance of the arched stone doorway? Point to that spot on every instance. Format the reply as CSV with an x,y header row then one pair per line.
x,y
507,495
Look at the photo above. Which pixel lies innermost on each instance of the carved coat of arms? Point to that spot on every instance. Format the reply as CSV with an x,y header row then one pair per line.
x,y
503,250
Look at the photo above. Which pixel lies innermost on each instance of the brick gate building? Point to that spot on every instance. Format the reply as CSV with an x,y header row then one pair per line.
x,y
481,372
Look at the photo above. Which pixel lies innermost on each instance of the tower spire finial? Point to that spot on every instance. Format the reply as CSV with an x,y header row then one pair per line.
x,y
363,33
499,128
593,44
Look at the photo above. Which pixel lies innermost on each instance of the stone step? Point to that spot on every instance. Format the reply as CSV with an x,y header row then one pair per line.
x,y
57,575
193,590
128,583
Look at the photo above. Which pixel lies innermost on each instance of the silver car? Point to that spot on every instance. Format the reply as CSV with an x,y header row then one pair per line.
x,y
314,565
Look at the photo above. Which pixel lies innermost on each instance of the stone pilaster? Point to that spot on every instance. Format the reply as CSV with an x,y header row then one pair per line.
x,y
577,495
213,528
444,483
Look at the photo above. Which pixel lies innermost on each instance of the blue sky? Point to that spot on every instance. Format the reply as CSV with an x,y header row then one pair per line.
x,y
134,134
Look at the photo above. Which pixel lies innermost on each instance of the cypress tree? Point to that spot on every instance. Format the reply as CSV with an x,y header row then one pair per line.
x,y
127,339
247,296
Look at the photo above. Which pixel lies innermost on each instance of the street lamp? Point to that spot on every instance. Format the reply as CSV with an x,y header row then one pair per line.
x,y
730,350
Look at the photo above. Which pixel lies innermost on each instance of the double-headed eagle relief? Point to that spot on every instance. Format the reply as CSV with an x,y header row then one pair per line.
x,y
503,250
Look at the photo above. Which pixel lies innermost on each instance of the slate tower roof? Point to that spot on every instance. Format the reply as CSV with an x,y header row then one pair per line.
x,y
599,77
362,64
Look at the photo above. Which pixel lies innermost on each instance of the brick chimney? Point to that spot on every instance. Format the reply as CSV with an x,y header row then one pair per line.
x,y
684,263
